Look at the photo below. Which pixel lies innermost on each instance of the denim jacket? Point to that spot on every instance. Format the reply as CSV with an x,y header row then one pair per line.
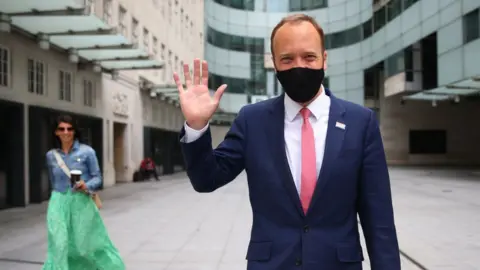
x,y
82,157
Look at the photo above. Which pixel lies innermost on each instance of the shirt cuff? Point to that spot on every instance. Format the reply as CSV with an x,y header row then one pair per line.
x,y
191,134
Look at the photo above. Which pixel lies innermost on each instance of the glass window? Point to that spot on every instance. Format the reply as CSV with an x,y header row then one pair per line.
x,y
408,3
298,5
122,15
66,85
36,77
146,39
238,4
328,42
471,26
353,35
326,82
134,31
107,11
395,64
4,67
88,93
379,19
409,68
394,8
367,29
295,5
235,43
337,40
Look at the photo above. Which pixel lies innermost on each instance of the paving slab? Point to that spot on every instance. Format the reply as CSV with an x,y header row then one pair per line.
x,y
167,225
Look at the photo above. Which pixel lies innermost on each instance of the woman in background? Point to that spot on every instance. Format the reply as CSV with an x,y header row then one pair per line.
x,y
77,237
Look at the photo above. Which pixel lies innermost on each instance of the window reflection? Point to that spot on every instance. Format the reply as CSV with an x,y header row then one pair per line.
x,y
298,5
234,43
471,26
256,85
238,4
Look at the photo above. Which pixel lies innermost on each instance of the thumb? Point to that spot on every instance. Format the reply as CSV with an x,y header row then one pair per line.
x,y
219,93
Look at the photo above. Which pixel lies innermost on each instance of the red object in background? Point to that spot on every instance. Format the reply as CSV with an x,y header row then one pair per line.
x,y
147,164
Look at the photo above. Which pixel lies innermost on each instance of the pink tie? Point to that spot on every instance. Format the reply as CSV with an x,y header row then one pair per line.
x,y
309,163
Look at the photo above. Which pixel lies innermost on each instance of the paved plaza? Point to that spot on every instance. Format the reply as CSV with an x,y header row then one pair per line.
x,y
166,225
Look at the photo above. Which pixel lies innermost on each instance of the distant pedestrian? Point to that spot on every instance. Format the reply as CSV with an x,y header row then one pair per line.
x,y
77,237
148,169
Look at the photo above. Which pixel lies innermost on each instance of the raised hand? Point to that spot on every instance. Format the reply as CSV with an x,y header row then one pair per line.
x,y
196,103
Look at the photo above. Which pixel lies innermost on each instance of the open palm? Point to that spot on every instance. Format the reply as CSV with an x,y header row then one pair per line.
x,y
197,104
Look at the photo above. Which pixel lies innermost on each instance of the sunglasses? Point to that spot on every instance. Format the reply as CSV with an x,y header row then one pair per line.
x,y
65,129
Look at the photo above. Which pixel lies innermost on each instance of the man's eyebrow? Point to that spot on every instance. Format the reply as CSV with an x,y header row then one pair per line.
x,y
285,54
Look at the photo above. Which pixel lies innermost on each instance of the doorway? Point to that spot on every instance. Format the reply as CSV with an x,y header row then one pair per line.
x,y
12,177
119,151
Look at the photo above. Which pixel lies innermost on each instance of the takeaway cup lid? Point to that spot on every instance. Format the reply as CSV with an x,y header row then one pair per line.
x,y
76,172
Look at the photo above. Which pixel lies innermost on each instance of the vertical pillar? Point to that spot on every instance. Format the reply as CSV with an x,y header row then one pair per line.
x,y
26,153
106,146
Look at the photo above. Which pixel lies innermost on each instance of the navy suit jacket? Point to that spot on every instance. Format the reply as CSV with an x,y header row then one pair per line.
x,y
353,180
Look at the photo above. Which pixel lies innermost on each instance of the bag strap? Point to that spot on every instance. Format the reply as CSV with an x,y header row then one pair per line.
x,y
61,163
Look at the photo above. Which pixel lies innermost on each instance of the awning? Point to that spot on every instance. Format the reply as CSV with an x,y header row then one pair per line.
x,y
453,91
28,6
85,37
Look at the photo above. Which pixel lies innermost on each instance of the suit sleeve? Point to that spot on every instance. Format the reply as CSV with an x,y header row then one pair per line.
x,y
375,203
191,134
210,169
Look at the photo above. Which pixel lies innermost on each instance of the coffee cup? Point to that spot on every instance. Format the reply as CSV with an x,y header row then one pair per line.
x,y
75,177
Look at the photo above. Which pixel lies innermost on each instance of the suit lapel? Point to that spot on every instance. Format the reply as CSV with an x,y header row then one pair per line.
x,y
276,138
333,145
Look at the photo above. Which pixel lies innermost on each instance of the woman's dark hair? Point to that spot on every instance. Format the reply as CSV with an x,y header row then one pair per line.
x,y
65,118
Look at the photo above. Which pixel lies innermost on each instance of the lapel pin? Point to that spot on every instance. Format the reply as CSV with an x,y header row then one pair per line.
x,y
340,125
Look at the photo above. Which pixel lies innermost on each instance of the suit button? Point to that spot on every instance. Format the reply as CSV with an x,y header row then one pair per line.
x,y
306,229
298,262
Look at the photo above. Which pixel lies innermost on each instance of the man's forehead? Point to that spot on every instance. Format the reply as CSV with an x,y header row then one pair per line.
x,y
303,26
302,39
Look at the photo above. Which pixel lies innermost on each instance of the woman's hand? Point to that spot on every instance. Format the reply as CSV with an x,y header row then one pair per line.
x,y
81,186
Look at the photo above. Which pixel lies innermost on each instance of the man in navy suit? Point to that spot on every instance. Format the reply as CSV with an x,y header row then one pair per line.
x,y
313,162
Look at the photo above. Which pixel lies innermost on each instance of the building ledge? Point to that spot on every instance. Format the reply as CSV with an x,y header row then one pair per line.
x,y
66,26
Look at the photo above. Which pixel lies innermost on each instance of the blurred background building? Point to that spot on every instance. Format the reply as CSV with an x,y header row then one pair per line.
x,y
414,62
107,62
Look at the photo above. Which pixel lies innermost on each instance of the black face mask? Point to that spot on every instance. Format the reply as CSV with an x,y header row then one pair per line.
x,y
301,84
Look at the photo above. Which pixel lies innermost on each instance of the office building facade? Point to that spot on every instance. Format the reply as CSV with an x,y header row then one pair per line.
x,y
411,61
109,63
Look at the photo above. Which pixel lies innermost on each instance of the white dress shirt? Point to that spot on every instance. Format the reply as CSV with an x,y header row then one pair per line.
x,y
319,109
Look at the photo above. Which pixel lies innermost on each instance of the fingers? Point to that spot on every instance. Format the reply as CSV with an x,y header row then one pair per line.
x,y
219,93
186,74
80,186
200,75
176,78
196,71
205,73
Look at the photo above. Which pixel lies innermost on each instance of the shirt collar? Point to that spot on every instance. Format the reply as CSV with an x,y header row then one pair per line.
x,y
316,107
75,146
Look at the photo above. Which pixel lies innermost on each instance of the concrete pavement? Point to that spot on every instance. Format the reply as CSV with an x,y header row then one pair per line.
x,y
166,225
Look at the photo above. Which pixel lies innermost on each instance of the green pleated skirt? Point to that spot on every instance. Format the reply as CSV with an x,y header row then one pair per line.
x,y
77,237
